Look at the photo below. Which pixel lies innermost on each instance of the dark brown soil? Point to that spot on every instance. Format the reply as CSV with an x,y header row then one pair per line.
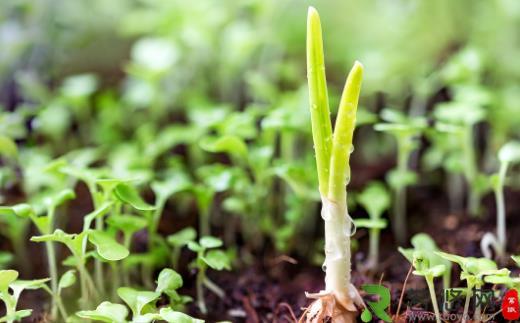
x,y
272,289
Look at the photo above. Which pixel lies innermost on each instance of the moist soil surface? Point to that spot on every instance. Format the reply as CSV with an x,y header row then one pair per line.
x,y
272,289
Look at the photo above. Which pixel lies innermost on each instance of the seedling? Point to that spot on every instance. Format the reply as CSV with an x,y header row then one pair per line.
x,y
508,154
504,278
332,161
423,242
179,240
142,304
9,280
163,190
375,199
215,178
45,225
406,131
459,119
208,256
473,271
423,267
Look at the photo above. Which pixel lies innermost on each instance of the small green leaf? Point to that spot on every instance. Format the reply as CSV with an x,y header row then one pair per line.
x,y
171,316
510,152
107,247
146,318
371,223
135,299
407,253
67,279
230,144
375,198
437,271
59,198
6,278
106,312
174,184
97,213
79,86
21,210
168,280
182,237
208,242
217,259
5,259
129,194
17,316
19,286
217,177
58,236
194,246
8,147
127,223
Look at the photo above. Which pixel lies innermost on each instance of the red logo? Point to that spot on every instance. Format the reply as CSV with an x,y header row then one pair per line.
x,y
510,309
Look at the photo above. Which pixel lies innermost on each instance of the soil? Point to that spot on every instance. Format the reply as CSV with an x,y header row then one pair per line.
x,y
273,288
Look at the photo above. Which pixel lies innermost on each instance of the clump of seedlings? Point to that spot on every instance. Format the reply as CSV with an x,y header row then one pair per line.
x,y
406,131
337,302
459,118
375,199
473,271
142,304
508,154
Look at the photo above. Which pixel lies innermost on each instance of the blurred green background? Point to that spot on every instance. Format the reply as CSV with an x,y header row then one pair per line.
x,y
149,85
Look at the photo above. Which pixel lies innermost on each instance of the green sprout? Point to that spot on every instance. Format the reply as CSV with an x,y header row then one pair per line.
x,y
332,162
9,281
375,199
423,242
423,267
142,304
458,119
208,256
428,265
406,130
179,240
505,279
45,225
473,271
507,155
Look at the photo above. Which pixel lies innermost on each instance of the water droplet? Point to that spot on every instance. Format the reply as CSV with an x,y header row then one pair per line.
x,y
324,267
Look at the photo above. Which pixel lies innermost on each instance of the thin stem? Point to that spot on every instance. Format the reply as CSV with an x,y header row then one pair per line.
x,y
431,288
400,225
156,218
373,251
214,288
127,242
61,308
53,272
470,170
200,291
175,257
501,208
116,280
469,293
